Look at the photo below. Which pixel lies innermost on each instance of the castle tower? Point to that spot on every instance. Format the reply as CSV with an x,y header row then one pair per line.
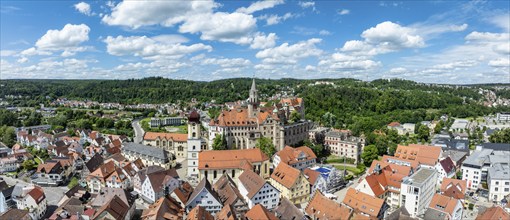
x,y
253,100
195,143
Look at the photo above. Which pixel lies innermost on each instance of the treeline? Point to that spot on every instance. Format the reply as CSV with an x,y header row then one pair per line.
x,y
349,103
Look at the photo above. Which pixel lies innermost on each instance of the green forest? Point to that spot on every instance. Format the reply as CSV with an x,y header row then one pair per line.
x,y
358,105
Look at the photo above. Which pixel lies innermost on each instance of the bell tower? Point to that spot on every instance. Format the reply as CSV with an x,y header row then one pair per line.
x,y
253,100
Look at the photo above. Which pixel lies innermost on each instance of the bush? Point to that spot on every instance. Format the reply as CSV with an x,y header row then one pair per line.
x,y
471,205
349,177
73,182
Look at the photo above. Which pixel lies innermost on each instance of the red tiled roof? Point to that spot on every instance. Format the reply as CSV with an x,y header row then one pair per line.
x,y
322,208
168,136
37,194
454,188
229,158
443,203
259,212
428,155
290,155
363,202
312,175
285,175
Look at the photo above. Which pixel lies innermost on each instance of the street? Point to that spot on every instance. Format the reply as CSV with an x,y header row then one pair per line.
x,y
341,193
138,131
53,194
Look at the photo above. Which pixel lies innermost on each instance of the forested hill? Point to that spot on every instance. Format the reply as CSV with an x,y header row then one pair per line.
x,y
350,103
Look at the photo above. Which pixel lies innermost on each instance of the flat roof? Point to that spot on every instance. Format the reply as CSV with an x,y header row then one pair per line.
x,y
418,178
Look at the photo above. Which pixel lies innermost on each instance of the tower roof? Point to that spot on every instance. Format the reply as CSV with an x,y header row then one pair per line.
x,y
253,86
194,116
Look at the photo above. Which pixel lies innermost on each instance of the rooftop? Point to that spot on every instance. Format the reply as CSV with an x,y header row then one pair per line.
x,y
173,136
146,150
418,178
499,171
229,158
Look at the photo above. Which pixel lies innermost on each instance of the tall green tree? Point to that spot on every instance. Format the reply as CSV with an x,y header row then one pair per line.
x,y
219,142
502,136
7,135
294,116
266,146
369,154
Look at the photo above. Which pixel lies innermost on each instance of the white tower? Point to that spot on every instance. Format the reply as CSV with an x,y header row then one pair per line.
x,y
195,143
253,101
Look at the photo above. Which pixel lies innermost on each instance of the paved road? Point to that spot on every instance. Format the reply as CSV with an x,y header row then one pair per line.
x,y
138,131
341,194
53,194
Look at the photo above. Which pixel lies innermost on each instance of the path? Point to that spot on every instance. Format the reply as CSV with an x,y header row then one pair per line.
x,y
138,131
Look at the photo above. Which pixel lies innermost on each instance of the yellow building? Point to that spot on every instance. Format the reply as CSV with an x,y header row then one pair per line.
x,y
291,183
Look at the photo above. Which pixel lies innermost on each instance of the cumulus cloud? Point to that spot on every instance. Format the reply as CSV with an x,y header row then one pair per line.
x,y
7,53
487,36
227,63
290,53
309,4
224,27
324,32
501,62
260,5
261,41
149,48
70,36
341,61
393,36
22,60
83,8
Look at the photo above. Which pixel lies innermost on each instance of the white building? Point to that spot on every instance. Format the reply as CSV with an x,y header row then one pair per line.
x,y
498,180
256,190
204,196
8,164
343,144
475,167
157,184
503,116
31,198
444,207
417,190
299,158
445,169
195,144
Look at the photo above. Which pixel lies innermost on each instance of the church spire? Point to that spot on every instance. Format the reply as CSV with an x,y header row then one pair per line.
x,y
253,87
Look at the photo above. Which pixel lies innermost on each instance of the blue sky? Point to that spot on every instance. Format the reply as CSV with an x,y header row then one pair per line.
x,y
438,41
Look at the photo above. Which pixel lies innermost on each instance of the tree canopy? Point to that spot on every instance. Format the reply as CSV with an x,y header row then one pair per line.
x,y
266,146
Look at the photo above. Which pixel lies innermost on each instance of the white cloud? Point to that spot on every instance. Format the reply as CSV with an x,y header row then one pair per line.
x,y
502,21
261,41
324,32
398,70
290,54
488,36
456,64
83,8
275,19
170,38
22,60
221,26
392,36
227,63
149,48
307,4
136,14
68,39
501,62
310,68
344,12
341,61
260,5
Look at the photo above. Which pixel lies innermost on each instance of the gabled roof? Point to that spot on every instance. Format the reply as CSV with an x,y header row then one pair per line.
x,y
107,193
290,155
493,213
285,175
227,190
204,184
226,213
161,178
252,182
322,208
447,165
37,194
229,158
363,202
183,192
17,214
454,188
199,213
163,208
103,171
95,162
168,136
115,207
312,175
424,154
287,210
443,203
259,212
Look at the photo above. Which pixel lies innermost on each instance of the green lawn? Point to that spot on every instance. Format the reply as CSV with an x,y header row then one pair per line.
x,y
183,129
354,170
335,159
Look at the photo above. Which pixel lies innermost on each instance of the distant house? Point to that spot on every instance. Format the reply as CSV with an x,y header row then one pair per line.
x,y
31,198
322,208
204,196
299,158
149,155
495,212
16,214
6,201
256,190
182,193
97,179
287,210
454,188
164,208
199,213
445,169
172,142
259,212
364,204
141,175
316,180
227,213
443,207
291,183
230,196
344,144
114,209
158,184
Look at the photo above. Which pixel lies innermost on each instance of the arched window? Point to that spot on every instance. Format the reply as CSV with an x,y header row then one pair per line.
x,y
180,148
157,143
194,134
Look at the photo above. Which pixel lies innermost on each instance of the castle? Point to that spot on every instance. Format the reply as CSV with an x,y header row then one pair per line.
x,y
243,125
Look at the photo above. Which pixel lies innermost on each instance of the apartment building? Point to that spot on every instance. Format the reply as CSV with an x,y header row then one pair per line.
x,y
417,191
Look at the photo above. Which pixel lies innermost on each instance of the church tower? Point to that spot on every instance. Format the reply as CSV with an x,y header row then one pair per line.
x,y
195,143
253,101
